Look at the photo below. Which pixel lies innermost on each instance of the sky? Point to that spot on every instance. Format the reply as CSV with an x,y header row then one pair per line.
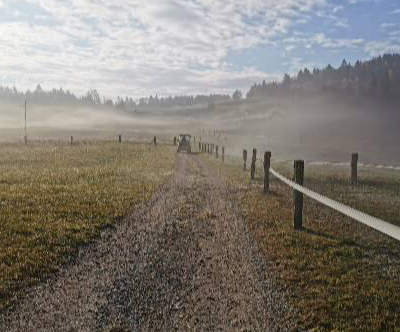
x,y
139,48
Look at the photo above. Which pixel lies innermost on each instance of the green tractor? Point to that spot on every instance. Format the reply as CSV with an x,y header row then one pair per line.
x,y
184,143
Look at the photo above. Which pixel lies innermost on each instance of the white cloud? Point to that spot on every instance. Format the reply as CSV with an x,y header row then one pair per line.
x,y
342,23
386,25
375,48
296,64
135,47
322,40
337,8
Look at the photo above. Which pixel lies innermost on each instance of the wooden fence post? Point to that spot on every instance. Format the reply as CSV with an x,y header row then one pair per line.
x,y
354,160
194,139
199,146
223,154
244,160
155,141
216,151
174,140
253,164
298,196
267,165
72,140
120,139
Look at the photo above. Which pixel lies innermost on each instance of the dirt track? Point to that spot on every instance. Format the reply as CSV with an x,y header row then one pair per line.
x,y
183,261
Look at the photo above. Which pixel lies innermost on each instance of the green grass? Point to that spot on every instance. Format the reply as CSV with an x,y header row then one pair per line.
x,y
55,197
341,275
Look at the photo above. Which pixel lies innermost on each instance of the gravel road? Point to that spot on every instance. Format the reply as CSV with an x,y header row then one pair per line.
x,y
184,261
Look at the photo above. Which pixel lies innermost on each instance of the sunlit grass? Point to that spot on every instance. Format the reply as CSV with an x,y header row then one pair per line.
x,y
377,192
55,197
341,275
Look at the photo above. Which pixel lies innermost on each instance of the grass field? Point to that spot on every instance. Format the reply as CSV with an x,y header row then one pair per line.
x,y
55,197
339,274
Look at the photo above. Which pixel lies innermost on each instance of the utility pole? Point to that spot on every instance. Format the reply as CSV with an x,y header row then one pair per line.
x,y
26,136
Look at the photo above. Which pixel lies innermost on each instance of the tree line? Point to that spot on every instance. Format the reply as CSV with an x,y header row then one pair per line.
x,y
376,78
93,99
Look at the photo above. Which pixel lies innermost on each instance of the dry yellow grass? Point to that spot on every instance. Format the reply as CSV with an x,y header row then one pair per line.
x,y
341,275
55,197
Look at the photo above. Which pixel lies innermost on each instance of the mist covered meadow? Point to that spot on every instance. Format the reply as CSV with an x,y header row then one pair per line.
x,y
314,129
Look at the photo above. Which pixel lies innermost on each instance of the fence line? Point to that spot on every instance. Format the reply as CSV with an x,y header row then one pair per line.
x,y
375,223
364,218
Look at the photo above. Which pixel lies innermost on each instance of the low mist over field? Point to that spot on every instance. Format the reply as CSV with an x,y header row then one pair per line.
x,y
317,129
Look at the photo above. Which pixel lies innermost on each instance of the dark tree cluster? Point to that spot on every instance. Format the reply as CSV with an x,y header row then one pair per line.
x,y
377,78
183,100
63,97
93,99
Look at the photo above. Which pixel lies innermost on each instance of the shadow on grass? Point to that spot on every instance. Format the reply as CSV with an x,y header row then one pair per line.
x,y
273,193
320,234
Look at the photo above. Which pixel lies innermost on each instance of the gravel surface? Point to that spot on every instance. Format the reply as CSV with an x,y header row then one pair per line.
x,y
184,261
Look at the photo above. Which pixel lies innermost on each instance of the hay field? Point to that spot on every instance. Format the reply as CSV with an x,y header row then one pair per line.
x,y
55,197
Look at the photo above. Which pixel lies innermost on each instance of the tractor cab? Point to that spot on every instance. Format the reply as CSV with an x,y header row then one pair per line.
x,y
184,143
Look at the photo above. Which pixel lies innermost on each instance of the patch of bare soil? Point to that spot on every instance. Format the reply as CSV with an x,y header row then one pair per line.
x,y
184,261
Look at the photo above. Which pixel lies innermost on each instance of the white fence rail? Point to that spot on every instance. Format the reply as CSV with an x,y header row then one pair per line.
x,y
375,223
